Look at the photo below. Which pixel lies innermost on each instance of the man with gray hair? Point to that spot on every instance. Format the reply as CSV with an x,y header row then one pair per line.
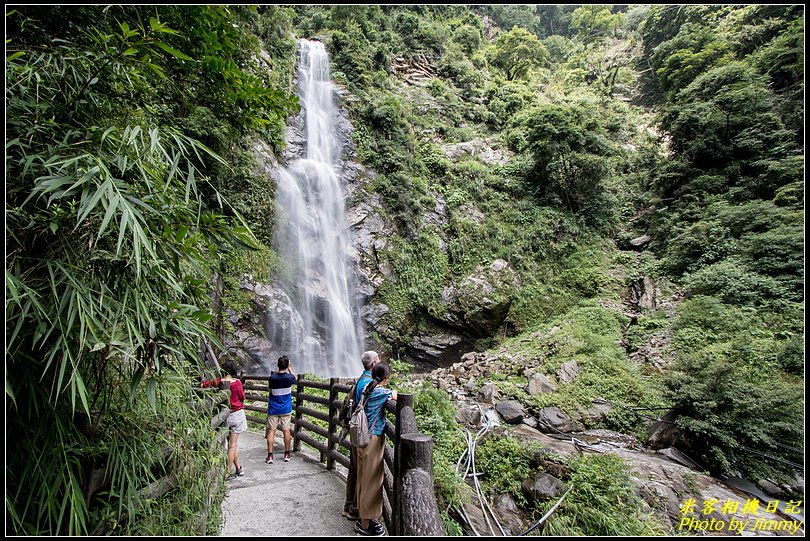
x,y
350,510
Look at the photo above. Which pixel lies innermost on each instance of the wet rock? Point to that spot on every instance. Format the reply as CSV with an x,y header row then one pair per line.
x,y
373,313
614,438
770,487
491,417
677,456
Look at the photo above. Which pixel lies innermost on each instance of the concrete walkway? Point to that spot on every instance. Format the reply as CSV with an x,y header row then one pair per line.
x,y
296,498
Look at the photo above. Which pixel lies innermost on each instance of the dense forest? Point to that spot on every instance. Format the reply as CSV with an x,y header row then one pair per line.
x,y
659,143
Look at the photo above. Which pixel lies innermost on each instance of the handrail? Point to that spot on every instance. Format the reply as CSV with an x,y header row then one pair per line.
x,y
409,503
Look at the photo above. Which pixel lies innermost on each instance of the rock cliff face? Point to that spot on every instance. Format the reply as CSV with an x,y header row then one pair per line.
x,y
472,307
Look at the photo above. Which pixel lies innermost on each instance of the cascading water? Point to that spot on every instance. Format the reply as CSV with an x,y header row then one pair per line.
x,y
324,334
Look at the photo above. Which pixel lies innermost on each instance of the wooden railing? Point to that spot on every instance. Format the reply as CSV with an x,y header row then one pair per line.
x,y
409,503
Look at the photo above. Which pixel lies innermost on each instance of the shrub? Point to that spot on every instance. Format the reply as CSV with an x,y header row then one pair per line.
x,y
435,416
505,465
602,501
731,400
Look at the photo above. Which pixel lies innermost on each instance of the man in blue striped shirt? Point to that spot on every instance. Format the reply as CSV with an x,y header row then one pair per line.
x,y
279,407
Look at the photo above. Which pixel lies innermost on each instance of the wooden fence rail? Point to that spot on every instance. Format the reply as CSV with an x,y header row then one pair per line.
x,y
409,503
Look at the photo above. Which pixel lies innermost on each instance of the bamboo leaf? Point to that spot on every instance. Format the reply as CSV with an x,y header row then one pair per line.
x,y
136,380
151,393
172,51
122,231
112,208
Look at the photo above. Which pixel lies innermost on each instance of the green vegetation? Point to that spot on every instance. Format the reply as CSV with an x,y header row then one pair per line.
x,y
115,222
732,387
549,136
601,501
505,465
726,226
435,416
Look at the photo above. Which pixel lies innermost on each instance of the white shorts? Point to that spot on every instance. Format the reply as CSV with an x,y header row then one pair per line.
x,y
237,422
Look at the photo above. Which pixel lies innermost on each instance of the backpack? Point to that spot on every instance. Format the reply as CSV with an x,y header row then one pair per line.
x,y
358,423
347,408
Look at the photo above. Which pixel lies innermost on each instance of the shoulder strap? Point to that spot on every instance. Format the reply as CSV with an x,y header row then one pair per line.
x,y
364,398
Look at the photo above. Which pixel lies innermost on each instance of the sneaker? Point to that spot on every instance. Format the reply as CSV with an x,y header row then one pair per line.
x,y
376,526
287,456
231,477
351,515
240,471
269,459
374,529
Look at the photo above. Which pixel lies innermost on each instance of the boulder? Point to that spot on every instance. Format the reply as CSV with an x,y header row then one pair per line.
x,y
469,387
468,416
488,393
509,514
539,383
665,433
639,242
770,487
568,371
644,294
480,303
543,487
511,411
552,419
598,411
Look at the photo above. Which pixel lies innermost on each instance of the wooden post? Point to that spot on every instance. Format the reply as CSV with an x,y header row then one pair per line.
x,y
299,402
405,423
418,512
332,443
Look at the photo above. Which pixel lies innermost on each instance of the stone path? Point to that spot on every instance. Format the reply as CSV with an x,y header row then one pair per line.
x,y
296,498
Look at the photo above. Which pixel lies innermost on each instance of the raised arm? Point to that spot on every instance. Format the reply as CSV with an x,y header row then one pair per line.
x,y
211,382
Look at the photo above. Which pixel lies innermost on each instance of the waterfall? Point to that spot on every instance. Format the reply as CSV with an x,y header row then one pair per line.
x,y
325,334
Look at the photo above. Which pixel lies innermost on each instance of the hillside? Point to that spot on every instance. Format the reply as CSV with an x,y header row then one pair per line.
x,y
574,220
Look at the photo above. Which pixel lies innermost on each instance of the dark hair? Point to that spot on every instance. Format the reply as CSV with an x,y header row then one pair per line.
x,y
229,367
283,362
380,372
